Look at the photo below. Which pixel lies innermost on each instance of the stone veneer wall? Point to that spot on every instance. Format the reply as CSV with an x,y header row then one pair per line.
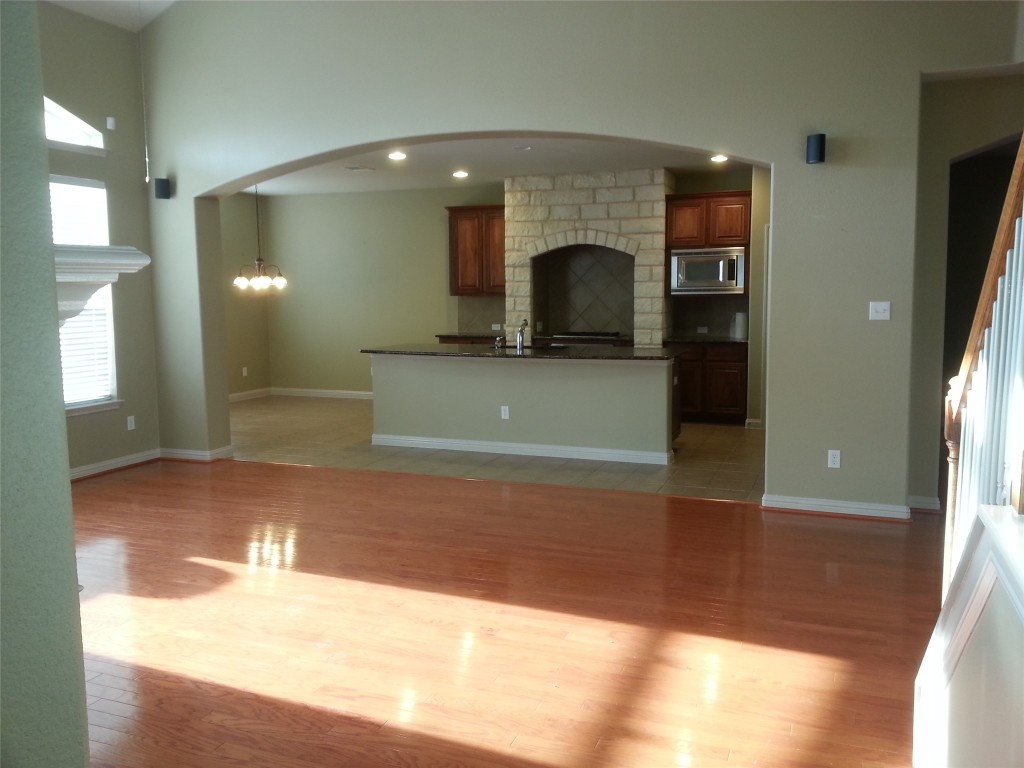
x,y
624,210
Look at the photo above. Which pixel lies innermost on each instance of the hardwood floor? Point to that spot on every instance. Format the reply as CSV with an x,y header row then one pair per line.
x,y
265,615
710,461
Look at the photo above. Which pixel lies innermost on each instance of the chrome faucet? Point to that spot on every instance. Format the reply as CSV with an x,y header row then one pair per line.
x,y
520,336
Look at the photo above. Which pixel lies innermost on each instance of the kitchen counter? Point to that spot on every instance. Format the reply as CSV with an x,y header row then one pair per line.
x,y
545,352
704,337
578,401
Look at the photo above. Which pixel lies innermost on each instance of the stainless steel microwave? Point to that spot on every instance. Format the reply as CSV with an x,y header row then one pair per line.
x,y
707,270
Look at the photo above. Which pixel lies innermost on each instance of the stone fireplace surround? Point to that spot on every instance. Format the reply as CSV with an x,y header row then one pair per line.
x,y
623,210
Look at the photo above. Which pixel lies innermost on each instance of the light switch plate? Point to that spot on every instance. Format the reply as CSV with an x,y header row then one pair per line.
x,y
878,310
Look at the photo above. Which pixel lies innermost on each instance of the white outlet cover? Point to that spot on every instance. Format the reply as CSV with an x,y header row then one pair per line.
x,y
878,310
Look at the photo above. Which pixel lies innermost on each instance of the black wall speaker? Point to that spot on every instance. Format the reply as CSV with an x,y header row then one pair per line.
x,y
816,148
162,187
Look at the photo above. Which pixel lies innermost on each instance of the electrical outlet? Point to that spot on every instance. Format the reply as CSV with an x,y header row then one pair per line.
x,y
245,371
833,459
131,423
702,329
504,412
878,310
495,326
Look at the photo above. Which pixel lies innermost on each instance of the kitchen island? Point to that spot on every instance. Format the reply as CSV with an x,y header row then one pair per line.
x,y
572,401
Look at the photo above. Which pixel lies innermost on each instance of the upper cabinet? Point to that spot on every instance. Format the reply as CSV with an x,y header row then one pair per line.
x,y
707,220
476,250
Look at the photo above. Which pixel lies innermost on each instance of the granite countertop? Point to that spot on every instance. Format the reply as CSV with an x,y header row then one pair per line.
x,y
691,337
554,352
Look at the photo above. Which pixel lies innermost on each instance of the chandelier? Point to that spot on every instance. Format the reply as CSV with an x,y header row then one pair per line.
x,y
259,276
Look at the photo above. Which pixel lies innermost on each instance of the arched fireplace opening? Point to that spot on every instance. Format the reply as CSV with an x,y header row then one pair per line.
x,y
581,290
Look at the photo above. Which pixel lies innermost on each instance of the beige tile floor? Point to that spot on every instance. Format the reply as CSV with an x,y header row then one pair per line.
x,y
710,461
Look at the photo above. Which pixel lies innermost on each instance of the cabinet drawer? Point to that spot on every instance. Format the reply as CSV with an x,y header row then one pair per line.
x,y
688,351
732,353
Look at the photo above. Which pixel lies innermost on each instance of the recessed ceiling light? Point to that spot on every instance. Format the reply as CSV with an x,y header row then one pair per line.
x,y
397,155
719,159
460,174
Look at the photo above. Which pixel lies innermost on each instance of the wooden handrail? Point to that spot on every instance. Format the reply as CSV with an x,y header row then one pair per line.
x,y
983,314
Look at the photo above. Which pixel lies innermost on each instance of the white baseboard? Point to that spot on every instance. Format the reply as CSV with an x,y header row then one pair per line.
x,y
339,393
924,502
836,507
130,460
111,464
225,452
524,449
754,424
252,394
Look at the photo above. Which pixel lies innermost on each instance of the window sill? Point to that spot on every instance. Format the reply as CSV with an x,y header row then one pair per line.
x,y
81,149
92,406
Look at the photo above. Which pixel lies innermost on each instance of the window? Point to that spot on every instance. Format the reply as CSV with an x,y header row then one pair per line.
x,y
79,211
65,128
87,352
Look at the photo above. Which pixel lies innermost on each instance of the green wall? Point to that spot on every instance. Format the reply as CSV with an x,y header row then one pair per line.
x,y
366,269
843,233
42,700
92,69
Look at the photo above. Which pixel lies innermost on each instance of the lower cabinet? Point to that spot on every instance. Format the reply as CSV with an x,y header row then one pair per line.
x,y
711,381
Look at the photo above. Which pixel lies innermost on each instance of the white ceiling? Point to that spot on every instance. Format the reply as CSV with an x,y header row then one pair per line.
x,y
430,163
132,15
488,160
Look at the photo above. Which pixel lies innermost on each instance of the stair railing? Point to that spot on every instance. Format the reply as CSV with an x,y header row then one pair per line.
x,y
984,420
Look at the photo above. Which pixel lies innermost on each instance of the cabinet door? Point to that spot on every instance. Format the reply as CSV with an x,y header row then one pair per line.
x,y
726,390
465,244
686,221
690,387
494,251
728,221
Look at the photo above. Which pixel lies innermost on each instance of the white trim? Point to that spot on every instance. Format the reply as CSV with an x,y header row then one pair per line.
x,y
524,449
81,149
225,452
96,263
84,269
836,506
339,393
924,502
92,406
754,424
110,464
993,555
252,394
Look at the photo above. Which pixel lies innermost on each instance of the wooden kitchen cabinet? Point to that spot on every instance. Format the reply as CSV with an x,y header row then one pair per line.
x,y
476,250
711,381
711,220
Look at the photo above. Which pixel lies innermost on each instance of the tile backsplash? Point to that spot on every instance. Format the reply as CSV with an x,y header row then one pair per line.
x,y
583,288
478,313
